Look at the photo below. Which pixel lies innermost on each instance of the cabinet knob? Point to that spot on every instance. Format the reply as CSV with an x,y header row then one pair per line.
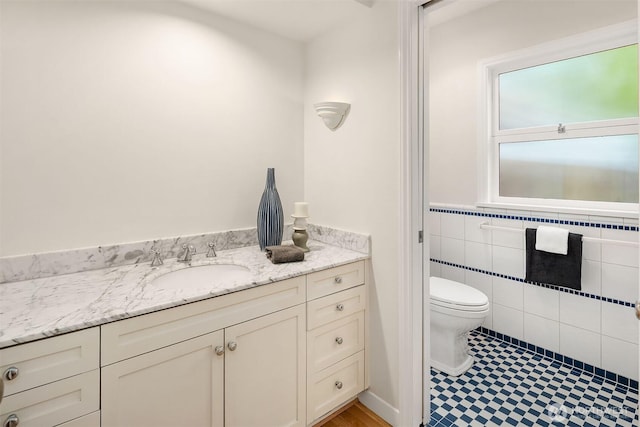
x,y
339,307
338,280
232,345
11,373
339,340
219,350
339,385
11,421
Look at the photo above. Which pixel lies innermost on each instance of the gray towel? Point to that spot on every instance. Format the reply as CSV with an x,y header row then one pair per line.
x,y
287,253
555,269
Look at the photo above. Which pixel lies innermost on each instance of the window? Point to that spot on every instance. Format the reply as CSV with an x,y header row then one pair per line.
x,y
562,124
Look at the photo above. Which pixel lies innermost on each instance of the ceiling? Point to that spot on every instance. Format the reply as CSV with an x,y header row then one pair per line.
x,y
304,20
300,20
442,11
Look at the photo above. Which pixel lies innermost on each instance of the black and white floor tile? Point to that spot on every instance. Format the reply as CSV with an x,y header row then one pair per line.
x,y
511,386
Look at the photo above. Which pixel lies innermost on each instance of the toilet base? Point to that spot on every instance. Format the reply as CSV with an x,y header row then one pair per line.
x,y
453,371
449,340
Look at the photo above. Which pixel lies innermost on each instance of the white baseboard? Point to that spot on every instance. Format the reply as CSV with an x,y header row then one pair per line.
x,y
380,407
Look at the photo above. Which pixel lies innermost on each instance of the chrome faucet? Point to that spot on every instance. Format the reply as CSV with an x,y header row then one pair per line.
x,y
212,250
187,252
157,257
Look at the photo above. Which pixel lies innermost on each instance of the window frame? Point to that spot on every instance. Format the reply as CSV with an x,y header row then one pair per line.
x,y
490,136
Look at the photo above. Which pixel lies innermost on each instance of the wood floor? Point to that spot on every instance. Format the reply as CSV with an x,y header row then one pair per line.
x,y
354,414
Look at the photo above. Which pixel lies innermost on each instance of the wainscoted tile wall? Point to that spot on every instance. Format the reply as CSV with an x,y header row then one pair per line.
x,y
596,325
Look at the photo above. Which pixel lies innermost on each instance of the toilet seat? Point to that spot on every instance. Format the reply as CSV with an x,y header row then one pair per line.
x,y
451,295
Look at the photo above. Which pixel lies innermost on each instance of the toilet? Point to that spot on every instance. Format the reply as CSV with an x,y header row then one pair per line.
x,y
456,309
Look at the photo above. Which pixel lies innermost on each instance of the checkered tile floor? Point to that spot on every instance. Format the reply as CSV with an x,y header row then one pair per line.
x,y
510,386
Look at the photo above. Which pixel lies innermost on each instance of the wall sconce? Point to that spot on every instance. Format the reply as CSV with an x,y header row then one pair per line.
x,y
332,113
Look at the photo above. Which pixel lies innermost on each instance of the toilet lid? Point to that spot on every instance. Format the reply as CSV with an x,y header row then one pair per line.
x,y
455,293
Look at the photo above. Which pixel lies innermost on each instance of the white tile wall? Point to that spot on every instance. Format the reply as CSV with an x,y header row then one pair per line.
x,y
452,273
452,225
542,302
508,261
473,232
480,281
507,320
452,250
619,282
580,344
434,247
435,269
508,293
507,238
620,357
590,250
596,332
579,311
618,254
591,277
434,223
542,332
614,316
477,255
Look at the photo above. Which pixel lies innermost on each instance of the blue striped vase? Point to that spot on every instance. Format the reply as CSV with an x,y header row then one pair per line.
x,y
270,215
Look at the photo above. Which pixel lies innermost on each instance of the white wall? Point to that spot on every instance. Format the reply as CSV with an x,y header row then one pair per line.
x,y
352,174
457,46
124,121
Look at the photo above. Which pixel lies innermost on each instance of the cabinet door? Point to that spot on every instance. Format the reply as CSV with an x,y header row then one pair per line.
x,y
178,385
265,379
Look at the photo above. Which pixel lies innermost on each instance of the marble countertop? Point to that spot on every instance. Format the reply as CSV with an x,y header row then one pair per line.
x,y
49,306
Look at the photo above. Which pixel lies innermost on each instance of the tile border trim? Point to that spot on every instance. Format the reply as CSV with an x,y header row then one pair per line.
x,y
542,285
565,360
538,219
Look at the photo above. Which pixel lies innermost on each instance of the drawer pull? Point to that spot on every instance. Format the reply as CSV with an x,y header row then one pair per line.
x,y
339,307
11,421
339,385
232,345
11,373
219,350
337,280
339,340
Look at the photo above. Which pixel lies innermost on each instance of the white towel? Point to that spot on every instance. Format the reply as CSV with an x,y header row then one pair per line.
x,y
552,239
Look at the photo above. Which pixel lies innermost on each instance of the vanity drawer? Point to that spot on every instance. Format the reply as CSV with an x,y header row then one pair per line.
x,y
336,279
54,403
91,420
131,337
41,362
333,342
335,306
334,386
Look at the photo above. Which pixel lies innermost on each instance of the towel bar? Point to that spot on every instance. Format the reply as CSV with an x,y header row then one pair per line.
x,y
487,226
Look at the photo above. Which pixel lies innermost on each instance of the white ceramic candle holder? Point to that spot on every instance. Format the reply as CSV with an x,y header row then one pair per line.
x,y
300,215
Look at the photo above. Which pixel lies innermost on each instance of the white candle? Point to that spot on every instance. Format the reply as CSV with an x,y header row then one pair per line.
x,y
301,209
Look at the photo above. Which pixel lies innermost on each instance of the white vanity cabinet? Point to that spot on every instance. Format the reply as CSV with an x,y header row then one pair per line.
x,y
247,370
282,354
336,338
51,382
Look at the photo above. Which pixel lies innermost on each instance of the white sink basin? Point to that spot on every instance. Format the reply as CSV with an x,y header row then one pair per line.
x,y
203,276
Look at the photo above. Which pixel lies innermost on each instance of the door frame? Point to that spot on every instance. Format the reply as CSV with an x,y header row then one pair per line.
x,y
413,268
